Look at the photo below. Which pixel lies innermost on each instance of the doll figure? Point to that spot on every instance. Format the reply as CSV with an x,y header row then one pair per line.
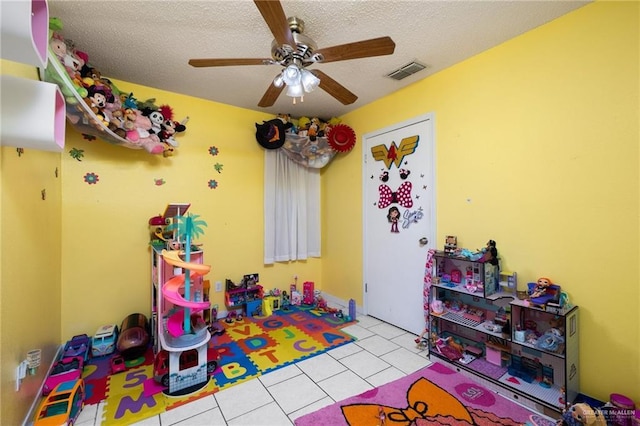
x,y
541,287
393,217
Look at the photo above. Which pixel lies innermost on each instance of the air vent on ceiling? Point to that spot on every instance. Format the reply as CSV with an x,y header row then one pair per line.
x,y
406,70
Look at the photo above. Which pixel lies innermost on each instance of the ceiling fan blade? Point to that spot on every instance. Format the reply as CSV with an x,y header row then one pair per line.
x,y
270,96
334,88
229,62
275,18
359,49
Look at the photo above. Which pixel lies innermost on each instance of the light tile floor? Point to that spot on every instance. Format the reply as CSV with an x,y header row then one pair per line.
x,y
381,354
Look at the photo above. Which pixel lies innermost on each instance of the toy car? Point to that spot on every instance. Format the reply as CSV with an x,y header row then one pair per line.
x,y
62,371
79,345
134,336
104,341
63,405
117,364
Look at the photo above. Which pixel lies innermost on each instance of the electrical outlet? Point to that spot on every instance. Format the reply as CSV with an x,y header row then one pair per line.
x,y
218,286
21,373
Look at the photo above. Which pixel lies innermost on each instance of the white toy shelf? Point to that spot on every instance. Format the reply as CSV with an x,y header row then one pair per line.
x,y
25,31
33,112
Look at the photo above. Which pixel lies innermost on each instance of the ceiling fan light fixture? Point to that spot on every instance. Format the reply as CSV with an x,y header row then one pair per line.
x,y
309,81
278,81
295,90
291,75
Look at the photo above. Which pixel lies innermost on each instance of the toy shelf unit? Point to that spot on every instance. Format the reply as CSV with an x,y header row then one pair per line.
x,y
522,351
25,31
245,297
33,112
171,303
478,277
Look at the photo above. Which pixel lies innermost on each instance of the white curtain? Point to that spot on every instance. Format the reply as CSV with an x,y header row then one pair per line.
x,y
291,209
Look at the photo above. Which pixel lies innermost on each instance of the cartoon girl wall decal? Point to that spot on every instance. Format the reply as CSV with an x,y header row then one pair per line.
x,y
393,217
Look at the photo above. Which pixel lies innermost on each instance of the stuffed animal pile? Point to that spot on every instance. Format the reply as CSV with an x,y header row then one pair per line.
x,y
96,106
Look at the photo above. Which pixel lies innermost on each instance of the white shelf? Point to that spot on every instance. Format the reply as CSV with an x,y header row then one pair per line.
x,y
466,322
460,288
25,31
33,114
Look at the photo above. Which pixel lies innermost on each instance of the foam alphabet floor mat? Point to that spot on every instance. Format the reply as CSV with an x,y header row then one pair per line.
x,y
248,348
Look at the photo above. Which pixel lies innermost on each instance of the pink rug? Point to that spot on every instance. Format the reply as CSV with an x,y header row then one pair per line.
x,y
435,395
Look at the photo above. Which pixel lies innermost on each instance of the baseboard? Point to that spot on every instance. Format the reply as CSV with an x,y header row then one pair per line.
x,y
336,302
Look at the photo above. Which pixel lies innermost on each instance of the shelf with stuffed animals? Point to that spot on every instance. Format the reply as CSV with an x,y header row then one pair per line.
x,y
96,107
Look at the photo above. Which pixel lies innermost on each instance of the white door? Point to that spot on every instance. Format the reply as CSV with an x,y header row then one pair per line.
x,y
399,220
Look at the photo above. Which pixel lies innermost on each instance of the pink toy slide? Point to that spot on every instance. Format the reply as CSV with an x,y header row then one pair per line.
x,y
171,291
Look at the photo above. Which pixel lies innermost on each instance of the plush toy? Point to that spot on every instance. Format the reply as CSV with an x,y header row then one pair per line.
x,y
288,125
115,115
58,47
68,85
128,101
169,128
96,100
582,414
141,135
314,129
156,118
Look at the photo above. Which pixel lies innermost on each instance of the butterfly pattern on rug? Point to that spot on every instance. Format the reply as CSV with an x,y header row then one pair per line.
x,y
427,404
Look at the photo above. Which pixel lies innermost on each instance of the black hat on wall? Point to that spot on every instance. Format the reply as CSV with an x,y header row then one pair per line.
x,y
271,134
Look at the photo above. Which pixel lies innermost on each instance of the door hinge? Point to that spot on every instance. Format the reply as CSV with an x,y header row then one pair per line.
x,y
366,287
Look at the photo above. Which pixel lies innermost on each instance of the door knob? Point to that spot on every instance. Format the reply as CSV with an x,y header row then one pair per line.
x,y
423,241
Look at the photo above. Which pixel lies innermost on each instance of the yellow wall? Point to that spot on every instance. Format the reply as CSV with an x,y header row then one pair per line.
x,y
541,133
106,262
30,265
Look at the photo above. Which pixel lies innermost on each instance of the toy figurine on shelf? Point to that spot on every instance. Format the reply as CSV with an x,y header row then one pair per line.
x,y
541,287
450,244
286,304
491,253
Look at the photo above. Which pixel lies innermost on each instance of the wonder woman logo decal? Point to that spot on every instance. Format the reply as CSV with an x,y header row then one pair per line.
x,y
395,154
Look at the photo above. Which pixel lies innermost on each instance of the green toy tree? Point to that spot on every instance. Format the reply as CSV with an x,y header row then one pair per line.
x,y
187,228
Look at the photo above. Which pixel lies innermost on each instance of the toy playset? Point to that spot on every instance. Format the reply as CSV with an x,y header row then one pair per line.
x,y
180,332
528,345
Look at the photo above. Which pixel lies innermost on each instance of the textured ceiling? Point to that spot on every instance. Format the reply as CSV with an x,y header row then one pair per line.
x,y
150,42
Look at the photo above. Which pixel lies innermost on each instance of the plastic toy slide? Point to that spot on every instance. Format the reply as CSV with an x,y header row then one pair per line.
x,y
171,291
173,258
